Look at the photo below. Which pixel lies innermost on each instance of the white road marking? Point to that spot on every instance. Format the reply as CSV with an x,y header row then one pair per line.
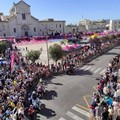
x,y
38,114
102,71
62,118
88,68
37,117
84,67
81,111
95,88
92,68
73,116
97,70
119,73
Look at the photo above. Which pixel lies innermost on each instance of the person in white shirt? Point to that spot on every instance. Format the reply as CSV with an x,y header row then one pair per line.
x,y
115,107
118,94
118,86
105,89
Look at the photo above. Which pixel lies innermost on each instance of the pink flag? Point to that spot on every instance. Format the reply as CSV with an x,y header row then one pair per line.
x,y
12,60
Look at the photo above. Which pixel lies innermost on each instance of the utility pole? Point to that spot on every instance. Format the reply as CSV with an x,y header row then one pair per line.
x,y
47,50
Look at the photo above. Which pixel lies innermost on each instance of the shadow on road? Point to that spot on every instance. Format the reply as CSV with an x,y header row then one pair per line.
x,y
89,64
110,53
117,48
49,95
48,113
56,83
82,72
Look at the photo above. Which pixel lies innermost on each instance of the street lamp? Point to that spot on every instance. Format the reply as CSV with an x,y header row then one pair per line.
x,y
47,49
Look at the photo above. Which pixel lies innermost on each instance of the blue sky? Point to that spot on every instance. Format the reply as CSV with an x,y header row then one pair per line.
x,y
70,10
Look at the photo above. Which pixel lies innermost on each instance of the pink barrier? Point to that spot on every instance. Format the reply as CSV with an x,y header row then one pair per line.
x,y
69,47
12,60
24,42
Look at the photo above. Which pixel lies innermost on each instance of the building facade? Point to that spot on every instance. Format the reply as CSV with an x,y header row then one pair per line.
x,y
99,25
20,22
75,28
71,29
50,26
114,25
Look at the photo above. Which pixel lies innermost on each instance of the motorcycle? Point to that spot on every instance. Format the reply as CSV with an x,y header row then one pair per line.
x,y
35,101
69,69
40,90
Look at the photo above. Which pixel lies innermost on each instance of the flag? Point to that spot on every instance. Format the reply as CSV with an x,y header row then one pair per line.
x,y
12,61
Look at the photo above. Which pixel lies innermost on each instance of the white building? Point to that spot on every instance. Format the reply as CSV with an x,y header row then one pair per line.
x,y
20,22
49,26
71,29
114,25
81,28
75,28
99,25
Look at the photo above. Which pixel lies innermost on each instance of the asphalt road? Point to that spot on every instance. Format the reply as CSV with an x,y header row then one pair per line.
x,y
68,96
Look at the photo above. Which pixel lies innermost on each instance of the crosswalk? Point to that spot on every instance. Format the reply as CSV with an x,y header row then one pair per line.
x,y
76,113
93,69
61,118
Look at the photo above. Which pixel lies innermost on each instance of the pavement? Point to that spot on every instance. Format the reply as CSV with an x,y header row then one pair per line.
x,y
68,97
43,56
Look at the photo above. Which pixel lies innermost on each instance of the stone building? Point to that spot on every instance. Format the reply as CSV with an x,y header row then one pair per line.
x,y
114,25
96,25
20,22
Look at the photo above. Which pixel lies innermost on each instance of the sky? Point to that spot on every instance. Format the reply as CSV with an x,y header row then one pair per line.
x,y
72,11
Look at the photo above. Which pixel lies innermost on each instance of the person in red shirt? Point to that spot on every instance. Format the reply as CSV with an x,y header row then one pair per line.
x,y
31,112
99,87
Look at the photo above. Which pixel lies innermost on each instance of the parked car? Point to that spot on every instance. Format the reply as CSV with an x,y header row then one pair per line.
x,y
73,41
84,43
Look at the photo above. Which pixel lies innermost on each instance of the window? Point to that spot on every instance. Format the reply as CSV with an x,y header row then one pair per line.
x,y
4,34
34,29
14,30
23,16
60,25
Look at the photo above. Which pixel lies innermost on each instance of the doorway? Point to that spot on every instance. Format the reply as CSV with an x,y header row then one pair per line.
x,y
26,33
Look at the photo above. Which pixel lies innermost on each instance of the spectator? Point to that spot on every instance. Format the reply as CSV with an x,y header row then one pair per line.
x,y
31,112
105,114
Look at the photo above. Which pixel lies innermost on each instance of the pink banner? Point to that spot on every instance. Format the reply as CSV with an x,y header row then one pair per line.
x,y
12,60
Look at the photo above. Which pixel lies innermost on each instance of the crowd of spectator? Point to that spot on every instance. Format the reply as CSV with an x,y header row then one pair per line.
x,y
106,101
79,56
16,83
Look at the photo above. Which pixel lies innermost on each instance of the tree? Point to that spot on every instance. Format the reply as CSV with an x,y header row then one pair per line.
x,y
56,52
62,43
33,55
3,46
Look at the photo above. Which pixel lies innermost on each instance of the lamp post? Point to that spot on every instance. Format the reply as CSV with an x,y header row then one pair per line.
x,y
47,50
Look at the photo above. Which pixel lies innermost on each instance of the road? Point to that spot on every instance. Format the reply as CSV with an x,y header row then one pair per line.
x,y
68,96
